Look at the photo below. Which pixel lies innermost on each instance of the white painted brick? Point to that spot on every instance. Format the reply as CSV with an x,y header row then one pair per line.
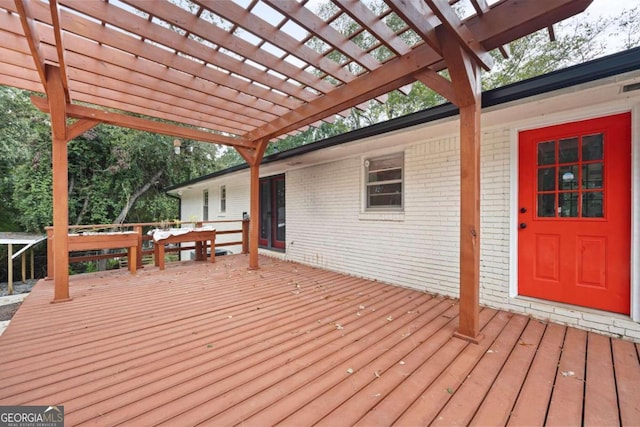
x,y
566,312
596,326
418,249
563,319
633,333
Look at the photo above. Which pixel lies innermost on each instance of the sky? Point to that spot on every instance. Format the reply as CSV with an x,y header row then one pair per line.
x,y
609,9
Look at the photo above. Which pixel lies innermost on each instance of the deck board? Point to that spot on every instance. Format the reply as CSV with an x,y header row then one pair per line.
x,y
601,397
288,344
500,399
463,405
627,369
533,401
567,397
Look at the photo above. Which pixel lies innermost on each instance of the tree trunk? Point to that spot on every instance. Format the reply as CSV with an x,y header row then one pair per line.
x,y
132,199
85,207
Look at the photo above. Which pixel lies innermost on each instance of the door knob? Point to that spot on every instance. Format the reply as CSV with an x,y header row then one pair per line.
x,y
523,210
523,225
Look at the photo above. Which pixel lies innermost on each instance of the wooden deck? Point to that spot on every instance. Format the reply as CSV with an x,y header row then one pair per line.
x,y
216,344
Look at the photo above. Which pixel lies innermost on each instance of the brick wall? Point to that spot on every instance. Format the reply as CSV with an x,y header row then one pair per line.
x,y
418,248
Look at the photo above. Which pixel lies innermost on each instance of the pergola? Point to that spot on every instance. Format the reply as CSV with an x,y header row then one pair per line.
x,y
245,73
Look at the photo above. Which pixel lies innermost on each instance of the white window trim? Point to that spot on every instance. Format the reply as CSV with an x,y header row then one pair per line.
x,y
388,212
220,199
205,205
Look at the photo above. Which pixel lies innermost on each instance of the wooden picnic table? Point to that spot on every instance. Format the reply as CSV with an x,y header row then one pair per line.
x,y
198,235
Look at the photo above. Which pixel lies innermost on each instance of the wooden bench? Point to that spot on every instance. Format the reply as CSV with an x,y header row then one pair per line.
x,y
199,236
110,240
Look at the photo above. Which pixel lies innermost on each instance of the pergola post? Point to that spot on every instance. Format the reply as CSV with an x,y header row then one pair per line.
x,y
465,77
10,269
254,158
469,326
254,217
57,105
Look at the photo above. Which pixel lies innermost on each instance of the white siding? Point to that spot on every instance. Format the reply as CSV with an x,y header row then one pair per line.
x,y
327,228
419,248
237,202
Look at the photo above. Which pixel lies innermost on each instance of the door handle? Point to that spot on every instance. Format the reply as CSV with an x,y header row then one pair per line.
x,y
523,225
523,210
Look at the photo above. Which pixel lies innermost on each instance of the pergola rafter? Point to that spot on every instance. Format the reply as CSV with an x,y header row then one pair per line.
x,y
245,76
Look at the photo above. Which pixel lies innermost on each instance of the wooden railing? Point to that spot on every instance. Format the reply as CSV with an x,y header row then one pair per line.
x,y
141,229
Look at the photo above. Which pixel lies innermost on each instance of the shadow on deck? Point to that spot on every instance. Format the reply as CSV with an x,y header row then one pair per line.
x,y
294,345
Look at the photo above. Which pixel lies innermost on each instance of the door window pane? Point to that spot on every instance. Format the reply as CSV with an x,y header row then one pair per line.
x,y
568,151
568,177
546,205
592,147
265,202
592,204
592,175
547,153
546,179
568,204
280,211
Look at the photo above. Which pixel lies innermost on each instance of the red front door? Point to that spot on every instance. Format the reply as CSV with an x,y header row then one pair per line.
x,y
574,213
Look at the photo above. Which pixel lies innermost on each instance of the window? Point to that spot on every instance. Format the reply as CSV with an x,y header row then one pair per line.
x,y
223,198
571,177
383,182
205,205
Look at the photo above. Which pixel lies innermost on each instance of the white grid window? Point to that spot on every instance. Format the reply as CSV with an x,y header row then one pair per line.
x,y
384,183
205,205
223,198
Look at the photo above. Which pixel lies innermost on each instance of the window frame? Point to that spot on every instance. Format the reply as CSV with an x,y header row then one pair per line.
x,y
222,192
205,205
367,207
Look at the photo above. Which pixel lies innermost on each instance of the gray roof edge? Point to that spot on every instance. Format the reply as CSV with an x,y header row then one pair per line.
x,y
597,69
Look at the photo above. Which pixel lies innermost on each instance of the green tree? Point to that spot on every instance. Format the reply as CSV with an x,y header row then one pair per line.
x,y
115,174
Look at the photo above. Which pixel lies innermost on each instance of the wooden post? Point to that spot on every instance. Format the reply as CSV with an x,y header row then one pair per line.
x,y
254,216
49,253
138,229
33,264
469,327
23,262
10,269
245,236
57,105
465,77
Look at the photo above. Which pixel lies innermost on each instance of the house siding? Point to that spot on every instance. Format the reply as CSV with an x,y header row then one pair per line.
x,y
422,250
418,248
237,203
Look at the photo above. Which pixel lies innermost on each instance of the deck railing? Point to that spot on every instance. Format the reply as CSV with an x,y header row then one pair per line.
x,y
145,248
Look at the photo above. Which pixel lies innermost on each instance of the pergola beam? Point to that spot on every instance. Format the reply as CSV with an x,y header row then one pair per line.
x,y
31,34
131,122
400,70
459,30
57,32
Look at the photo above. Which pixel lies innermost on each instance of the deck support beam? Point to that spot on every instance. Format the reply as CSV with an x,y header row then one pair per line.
x,y
254,158
57,106
465,77
469,327
60,136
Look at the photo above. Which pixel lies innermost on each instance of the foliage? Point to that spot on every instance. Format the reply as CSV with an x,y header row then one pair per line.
x,y
534,55
108,168
118,174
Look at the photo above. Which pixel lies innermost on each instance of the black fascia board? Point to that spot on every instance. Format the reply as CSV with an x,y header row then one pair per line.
x,y
611,65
